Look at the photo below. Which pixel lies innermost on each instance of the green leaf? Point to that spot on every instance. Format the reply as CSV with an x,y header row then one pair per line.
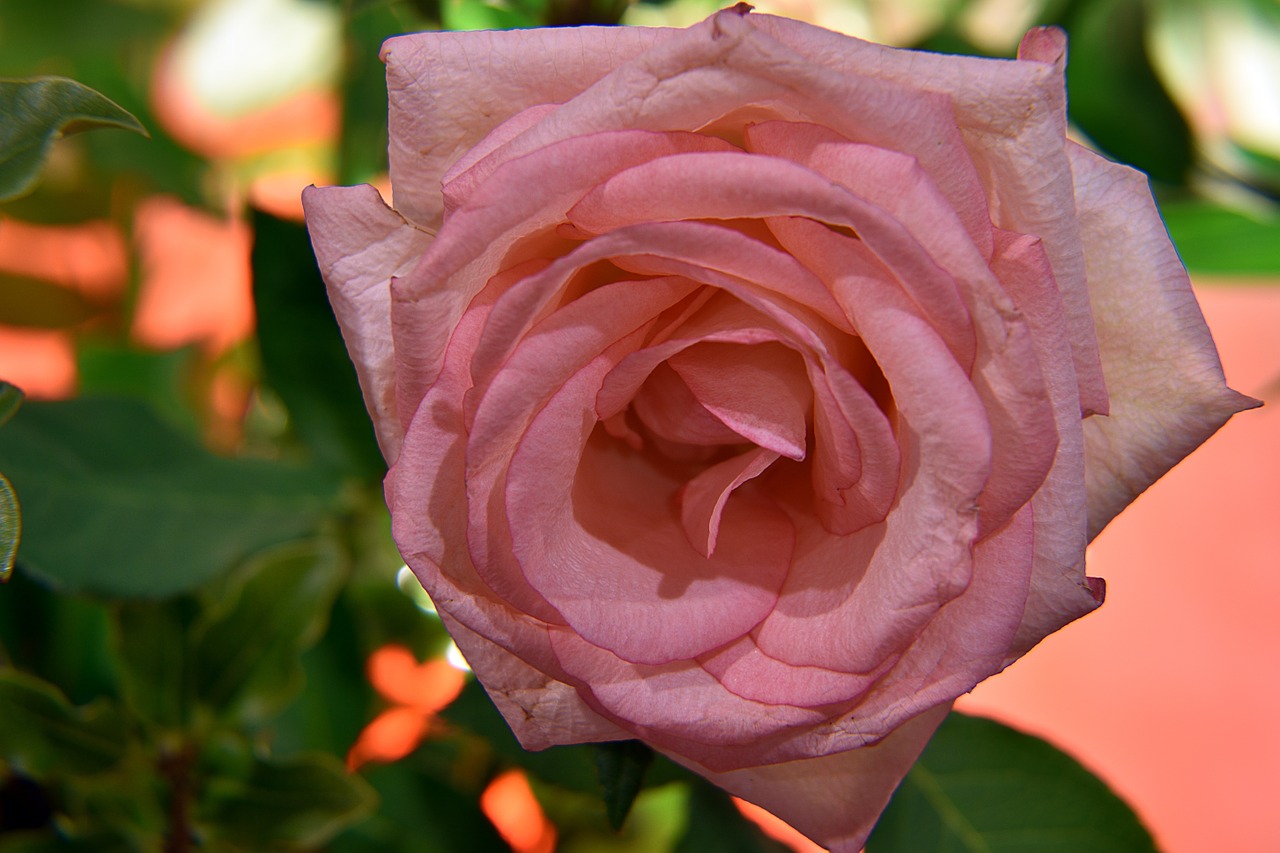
x,y
716,826
303,356
299,803
116,502
151,645
1215,240
36,113
10,528
1115,96
161,379
247,648
43,733
11,397
981,787
622,766
416,806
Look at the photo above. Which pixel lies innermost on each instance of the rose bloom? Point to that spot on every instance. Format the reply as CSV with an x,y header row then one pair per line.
x,y
752,390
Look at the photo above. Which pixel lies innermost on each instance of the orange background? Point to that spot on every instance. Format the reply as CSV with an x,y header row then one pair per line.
x,y
1171,691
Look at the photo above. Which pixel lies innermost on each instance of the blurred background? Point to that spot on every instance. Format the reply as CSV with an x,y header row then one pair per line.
x,y
166,285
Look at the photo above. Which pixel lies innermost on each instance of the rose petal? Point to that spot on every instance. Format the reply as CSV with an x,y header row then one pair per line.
x,y
1060,592
361,244
733,185
748,672
703,499
834,799
1012,117
594,532
1167,389
427,303
477,81
761,392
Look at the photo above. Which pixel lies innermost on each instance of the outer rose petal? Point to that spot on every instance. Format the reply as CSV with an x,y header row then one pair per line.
x,y
540,710
448,91
836,797
360,244
1168,393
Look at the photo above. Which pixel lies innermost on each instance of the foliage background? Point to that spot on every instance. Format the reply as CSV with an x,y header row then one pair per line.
x,y
207,624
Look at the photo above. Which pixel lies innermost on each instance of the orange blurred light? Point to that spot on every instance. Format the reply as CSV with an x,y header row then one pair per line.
x,y
307,117
419,692
196,284
390,736
41,362
509,804
89,257
776,828
428,687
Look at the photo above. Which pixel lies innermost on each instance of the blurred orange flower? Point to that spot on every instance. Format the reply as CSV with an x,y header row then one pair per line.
x,y
418,691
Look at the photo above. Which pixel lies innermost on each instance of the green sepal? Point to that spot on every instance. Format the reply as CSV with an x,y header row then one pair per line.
x,y
622,766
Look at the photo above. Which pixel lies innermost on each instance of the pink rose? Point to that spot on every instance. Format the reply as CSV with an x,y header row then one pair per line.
x,y
752,390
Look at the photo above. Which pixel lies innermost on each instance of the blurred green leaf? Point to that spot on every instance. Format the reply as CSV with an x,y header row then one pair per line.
x,y
10,528
161,379
116,502
301,802
32,302
716,826
303,356
983,786
51,842
1215,240
37,112
11,397
247,646
498,15
622,766
42,733
417,811
1114,95
151,646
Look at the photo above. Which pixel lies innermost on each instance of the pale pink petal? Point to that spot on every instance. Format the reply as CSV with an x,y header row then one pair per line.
x,y
748,672
361,244
703,499
681,707
1004,373
449,89
540,710
851,602
668,409
1012,117
1167,389
478,241
728,185
1060,592
732,63
834,799
535,372
761,392
595,533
